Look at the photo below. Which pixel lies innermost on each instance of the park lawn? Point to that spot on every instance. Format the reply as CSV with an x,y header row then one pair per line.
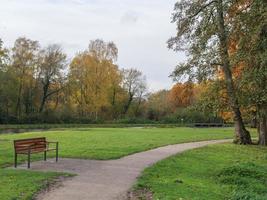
x,y
215,172
95,143
110,143
23,184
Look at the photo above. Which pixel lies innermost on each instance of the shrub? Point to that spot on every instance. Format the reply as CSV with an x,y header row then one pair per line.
x,y
135,121
188,115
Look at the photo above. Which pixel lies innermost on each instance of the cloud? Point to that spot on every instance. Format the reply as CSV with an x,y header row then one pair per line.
x,y
130,17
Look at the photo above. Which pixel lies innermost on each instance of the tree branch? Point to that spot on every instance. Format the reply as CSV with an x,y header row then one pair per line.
x,y
53,92
216,64
202,8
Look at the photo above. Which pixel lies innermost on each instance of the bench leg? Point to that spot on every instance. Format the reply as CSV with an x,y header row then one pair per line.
x,y
16,158
44,155
56,151
29,159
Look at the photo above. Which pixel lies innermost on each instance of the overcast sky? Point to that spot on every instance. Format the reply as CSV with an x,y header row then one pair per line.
x,y
140,29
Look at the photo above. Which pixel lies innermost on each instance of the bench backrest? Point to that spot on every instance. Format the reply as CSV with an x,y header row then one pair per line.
x,y
36,144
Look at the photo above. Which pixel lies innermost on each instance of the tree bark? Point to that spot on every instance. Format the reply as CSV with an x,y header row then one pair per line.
x,y
242,135
127,106
263,126
45,91
253,123
113,97
18,104
138,104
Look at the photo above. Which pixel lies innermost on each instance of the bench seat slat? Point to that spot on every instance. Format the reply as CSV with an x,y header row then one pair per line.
x,y
32,151
32,146
25,151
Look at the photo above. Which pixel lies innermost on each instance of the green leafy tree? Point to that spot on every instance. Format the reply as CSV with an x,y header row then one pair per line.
x,y
24,64
203,31
7,83
251,53
134,83
52,63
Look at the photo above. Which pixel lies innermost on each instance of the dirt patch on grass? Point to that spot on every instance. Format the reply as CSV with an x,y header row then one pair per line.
x,y
140,194
50,185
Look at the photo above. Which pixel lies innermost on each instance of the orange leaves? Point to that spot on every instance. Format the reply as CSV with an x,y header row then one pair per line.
x,y
182,95
239,6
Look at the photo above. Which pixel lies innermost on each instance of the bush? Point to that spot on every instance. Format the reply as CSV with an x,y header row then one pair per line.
x,y
135,121
188,115
8,119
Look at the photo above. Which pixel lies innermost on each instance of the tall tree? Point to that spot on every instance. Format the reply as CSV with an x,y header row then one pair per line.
x,y
24,62
5,81
204,32
51,74
251,53
93,75
3,56
134,82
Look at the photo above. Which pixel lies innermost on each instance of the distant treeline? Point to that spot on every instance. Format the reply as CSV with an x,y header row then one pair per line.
x,y
40,85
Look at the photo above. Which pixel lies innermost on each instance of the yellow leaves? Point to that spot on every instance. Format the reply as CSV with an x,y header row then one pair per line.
x,y
92,80
182,94
159,101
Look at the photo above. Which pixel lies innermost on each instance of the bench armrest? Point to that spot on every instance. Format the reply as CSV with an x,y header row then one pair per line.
x,y
52,142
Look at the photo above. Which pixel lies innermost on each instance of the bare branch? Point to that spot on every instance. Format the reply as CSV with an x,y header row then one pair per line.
x,y
202,8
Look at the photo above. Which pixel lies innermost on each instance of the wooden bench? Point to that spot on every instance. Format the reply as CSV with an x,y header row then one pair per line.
x,y
33,145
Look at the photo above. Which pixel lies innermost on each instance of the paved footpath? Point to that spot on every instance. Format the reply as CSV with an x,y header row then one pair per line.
x,y
106,180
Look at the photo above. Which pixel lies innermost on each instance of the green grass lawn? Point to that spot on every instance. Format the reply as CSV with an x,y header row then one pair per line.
x,y
111,143
23,184
92,143
215,172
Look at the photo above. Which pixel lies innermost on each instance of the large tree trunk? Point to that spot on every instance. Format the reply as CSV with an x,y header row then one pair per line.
x,y
113,103
138,105
242,135
27,101
253,123
43,101
127,106
18,104
263,126
42,104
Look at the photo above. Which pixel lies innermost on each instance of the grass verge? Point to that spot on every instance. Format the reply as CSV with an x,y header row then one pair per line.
x,y
24,184
89,143
215,172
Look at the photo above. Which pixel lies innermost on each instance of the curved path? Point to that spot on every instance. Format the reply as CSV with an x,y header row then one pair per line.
x,y
106,180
